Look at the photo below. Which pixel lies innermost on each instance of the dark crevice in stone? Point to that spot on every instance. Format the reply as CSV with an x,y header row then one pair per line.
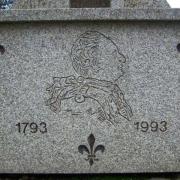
x,y
2,49
178,47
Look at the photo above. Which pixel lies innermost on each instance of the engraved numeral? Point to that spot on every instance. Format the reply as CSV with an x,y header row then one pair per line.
x,y
153,126
43,128
24,127
164,126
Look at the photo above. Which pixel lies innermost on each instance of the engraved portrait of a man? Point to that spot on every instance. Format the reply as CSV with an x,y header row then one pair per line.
x,y
98,64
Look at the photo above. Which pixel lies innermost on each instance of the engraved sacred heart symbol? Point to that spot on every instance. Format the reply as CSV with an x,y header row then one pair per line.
x,y
91,153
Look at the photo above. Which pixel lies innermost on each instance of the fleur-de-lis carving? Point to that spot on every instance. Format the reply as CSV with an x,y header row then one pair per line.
x,y
91,152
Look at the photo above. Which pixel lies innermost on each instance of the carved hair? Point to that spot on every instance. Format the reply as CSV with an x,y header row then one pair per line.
x,y
86,51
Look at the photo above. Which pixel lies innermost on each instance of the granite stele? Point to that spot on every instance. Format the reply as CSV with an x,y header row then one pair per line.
x,y
89,86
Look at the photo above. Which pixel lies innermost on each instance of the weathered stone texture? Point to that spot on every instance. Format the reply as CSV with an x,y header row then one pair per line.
x,y
146,4
35,4
96,96
100,14
143,55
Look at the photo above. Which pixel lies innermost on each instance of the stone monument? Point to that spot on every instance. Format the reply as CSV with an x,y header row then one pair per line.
x,y
29,4
89,90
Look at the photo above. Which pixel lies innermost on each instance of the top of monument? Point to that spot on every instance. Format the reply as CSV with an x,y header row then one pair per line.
x,y
36,4
84,14
54,10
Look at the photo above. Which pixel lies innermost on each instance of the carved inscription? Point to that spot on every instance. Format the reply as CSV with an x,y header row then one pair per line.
x,y
153,126
26,127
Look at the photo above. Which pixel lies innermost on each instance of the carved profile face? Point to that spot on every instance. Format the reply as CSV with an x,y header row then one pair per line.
x,y
98,62
97,56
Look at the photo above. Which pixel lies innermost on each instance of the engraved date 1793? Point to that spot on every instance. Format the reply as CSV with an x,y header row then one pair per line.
x,y
25,127
152,126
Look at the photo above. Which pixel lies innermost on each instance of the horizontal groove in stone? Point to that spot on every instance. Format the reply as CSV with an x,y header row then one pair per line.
x,y
89,14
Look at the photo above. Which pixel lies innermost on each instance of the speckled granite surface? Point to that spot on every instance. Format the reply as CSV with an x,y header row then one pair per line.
x,y
100,14
133,79
89,90
146,4
35,4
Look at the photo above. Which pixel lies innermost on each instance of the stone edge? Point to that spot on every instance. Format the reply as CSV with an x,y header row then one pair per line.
x,y
86,14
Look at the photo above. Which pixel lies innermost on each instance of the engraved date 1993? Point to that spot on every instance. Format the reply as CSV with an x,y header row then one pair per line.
x,y
26,127
152,126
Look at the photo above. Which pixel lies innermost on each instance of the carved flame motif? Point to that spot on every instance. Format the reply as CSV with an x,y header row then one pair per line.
x,y
91,153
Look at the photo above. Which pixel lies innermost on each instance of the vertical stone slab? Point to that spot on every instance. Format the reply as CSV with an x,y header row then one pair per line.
x,y
89,97
89,90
